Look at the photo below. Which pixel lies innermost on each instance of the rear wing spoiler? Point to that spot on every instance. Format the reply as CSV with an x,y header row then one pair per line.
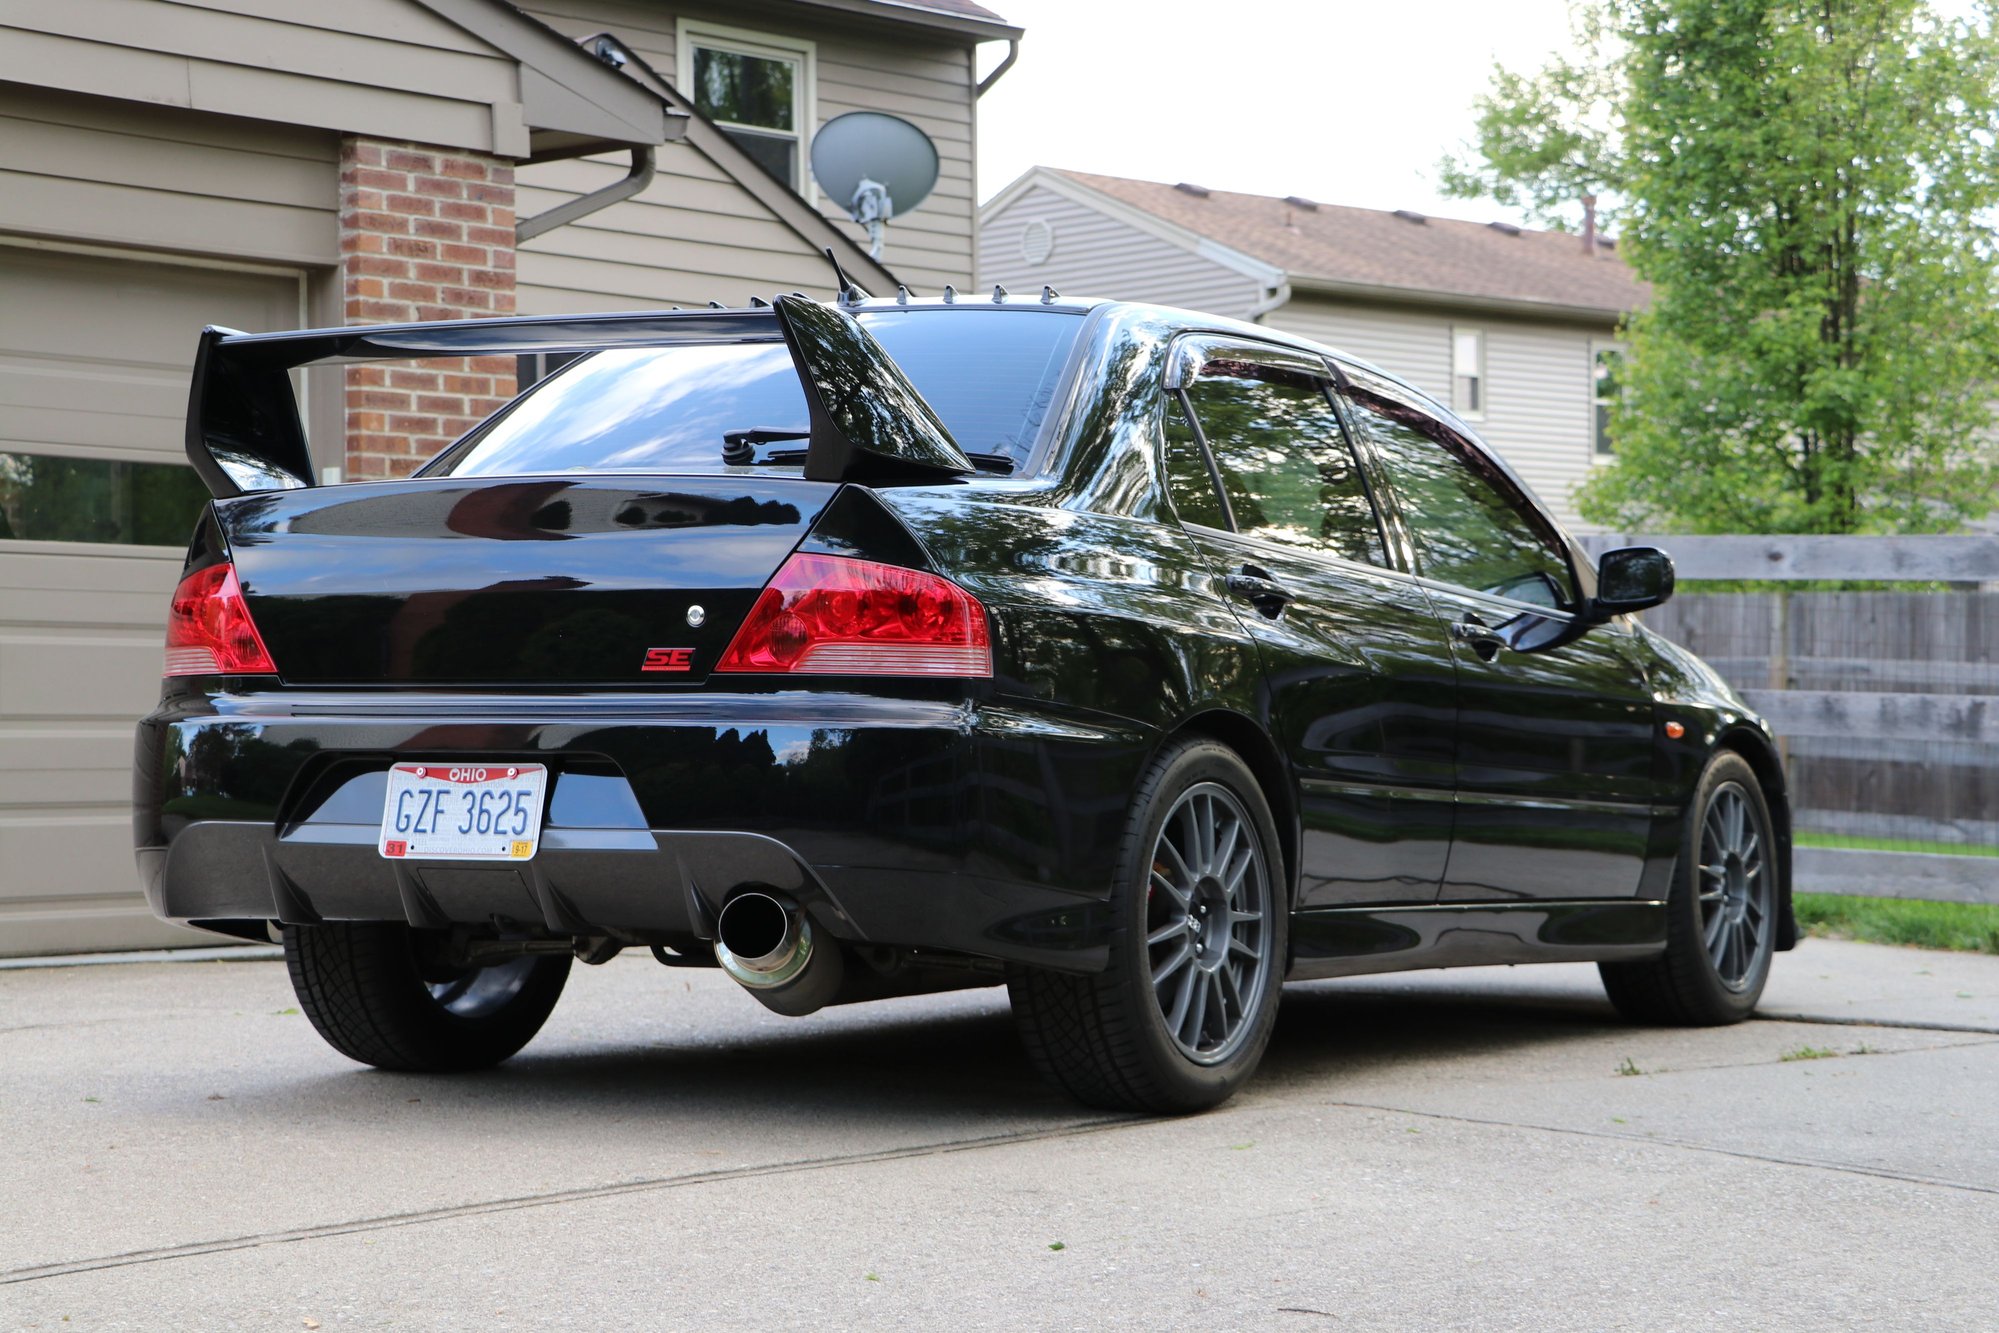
x,y
868,422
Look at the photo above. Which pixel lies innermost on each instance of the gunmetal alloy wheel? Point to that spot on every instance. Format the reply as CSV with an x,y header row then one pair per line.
x,y
1721,913
1183,1009
1736,900
1207,922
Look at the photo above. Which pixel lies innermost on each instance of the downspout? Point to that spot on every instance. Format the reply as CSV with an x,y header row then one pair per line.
x,y
1012,54
613,52
1279,295
640,176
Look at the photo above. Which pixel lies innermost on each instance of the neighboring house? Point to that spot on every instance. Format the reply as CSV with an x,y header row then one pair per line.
x,y
170,163
1511,328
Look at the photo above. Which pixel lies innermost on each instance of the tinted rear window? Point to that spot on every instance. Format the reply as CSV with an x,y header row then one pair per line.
x,y
990,374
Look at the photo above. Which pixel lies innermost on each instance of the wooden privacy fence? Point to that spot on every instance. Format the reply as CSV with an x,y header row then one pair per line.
x,y
1887,703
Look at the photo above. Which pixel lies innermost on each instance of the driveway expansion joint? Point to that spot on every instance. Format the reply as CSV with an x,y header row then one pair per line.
x,y
1829,1021
391,1221
1684,1145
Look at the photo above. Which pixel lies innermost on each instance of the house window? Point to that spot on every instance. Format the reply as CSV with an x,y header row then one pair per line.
x,y
1606,387
56,498
1468,372
758,89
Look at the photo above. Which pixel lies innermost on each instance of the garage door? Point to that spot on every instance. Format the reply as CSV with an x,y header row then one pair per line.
x,y
96,505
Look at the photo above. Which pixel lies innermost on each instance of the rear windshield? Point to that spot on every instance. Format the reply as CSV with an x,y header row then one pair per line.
x,y
990,374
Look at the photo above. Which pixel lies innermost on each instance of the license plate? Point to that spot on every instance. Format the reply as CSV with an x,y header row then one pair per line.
x,y
463,812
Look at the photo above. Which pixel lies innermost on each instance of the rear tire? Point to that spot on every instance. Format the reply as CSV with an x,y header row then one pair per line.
x,y
1721,912
369,992
1180,1017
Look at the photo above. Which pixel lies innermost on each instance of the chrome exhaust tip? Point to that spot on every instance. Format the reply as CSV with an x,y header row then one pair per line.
x,y
761,942
766,945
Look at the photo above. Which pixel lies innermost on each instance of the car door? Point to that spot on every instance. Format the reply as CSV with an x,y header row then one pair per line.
x,y
1358,670
1554,725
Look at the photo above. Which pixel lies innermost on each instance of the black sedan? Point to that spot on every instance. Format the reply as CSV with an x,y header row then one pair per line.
x,y
1133,659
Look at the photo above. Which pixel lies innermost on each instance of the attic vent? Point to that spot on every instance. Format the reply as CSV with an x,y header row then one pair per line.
x,y
1506,228
1410,215
1188,187
1037,241
1299,201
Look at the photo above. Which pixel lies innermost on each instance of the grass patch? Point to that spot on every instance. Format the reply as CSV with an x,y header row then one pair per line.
x,y
1808,1053
1966,927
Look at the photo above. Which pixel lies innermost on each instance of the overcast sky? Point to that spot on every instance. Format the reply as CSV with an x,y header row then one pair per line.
x,y
1343,103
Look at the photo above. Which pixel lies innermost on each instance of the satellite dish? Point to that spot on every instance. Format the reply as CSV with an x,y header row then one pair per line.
x,y
874,163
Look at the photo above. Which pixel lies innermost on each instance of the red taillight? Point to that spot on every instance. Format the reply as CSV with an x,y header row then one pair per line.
x,y
209,630
827,615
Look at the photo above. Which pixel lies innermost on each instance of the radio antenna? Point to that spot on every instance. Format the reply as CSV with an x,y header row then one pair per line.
x,y
850,291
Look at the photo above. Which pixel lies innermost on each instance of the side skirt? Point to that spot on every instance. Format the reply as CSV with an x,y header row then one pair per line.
x,y
1350,941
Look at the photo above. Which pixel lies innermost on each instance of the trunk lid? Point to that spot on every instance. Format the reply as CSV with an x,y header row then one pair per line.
x,y
515,580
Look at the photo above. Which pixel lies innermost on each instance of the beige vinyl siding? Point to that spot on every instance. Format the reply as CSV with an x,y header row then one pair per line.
x,y
383,67
713,242
90,169
1537,379
695,235
1094,254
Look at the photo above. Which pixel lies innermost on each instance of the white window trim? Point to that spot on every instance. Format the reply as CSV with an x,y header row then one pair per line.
x,y
1597,347
1484,384
690,33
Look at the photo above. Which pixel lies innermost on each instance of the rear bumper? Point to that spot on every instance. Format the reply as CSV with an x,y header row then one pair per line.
x,y
974,828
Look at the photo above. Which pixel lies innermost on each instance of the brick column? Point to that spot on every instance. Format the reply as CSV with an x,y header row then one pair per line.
x,y
425,233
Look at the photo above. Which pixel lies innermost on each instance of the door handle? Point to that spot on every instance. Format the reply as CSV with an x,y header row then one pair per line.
x,y
1254,585
1480,637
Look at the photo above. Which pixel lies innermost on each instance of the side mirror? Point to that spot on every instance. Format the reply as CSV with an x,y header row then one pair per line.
x,y
1631,578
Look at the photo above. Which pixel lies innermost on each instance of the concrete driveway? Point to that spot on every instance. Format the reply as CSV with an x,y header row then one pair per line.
x,y
1486,1148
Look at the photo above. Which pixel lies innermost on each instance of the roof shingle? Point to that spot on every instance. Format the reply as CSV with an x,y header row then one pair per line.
x,y
1334,245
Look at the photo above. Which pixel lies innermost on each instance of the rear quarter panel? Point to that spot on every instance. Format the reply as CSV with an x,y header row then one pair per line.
x,y
1094,617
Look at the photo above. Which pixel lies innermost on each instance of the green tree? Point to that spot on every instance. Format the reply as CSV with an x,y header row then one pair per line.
x,y
1547,142
1809,188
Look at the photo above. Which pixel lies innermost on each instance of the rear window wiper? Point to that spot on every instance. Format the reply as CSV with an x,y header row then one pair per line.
x,y
739,448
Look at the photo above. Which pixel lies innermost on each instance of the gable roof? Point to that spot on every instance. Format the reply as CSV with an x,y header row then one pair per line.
x,y
1383,255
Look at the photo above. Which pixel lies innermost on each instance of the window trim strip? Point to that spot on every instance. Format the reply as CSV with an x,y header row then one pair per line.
x,y
1207,457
